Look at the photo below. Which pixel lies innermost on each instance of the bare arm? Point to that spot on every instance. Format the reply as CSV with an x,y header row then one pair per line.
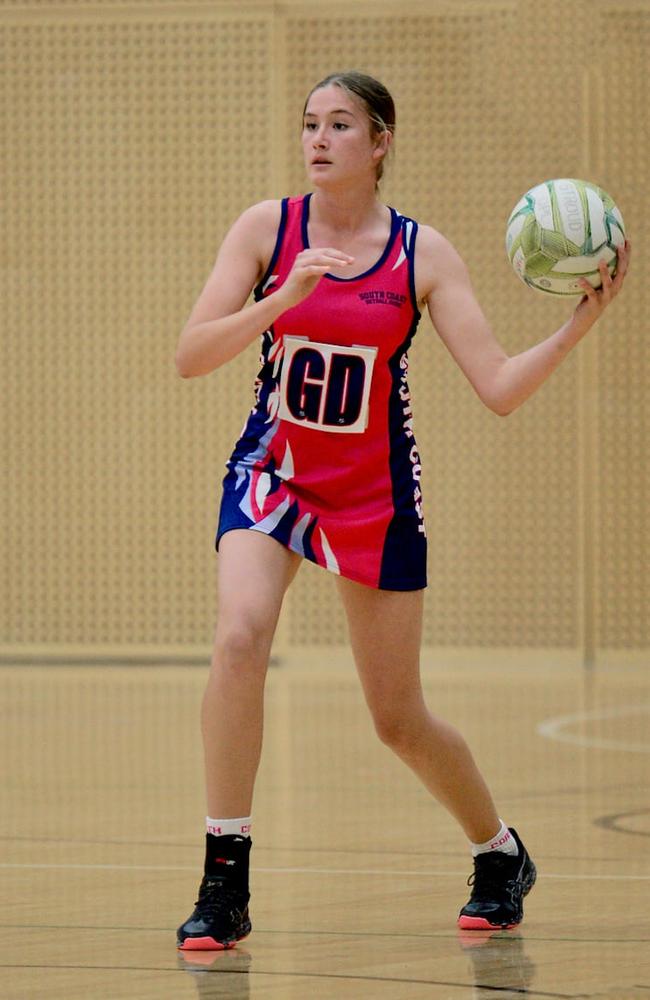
x,y
503,383
219,327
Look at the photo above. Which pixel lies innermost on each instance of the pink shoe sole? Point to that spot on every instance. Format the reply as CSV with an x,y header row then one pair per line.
x,y
205,944
481,924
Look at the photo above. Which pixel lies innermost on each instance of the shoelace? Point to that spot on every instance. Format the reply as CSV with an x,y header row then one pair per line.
x,y
488,875
216,895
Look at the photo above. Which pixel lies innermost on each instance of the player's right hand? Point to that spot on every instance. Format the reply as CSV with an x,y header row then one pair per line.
x,y
308,268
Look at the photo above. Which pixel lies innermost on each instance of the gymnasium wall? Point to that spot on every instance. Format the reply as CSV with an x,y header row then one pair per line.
x,y
134,134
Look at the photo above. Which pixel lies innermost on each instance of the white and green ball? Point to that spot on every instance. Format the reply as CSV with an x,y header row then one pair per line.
x,y
559,232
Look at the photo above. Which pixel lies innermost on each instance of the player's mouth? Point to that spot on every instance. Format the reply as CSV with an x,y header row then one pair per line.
x,y
320,161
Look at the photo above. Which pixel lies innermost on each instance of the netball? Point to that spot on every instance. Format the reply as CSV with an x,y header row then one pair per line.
x,y
560,231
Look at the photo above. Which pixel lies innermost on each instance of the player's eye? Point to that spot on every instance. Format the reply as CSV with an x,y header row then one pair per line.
x,y
337,126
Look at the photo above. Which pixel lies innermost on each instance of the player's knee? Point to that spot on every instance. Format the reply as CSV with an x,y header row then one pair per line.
x,y
241,646
403,721
395,729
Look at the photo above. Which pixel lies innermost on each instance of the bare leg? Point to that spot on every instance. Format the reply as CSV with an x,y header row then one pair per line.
x,y
385,632
254,572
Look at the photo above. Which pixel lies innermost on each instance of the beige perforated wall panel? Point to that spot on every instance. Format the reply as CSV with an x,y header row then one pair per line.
x,y
135,133
621,151
134,145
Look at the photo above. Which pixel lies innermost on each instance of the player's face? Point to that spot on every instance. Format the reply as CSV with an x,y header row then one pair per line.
x,y
336,138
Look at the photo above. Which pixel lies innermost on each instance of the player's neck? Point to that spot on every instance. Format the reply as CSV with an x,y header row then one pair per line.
x,y
348,211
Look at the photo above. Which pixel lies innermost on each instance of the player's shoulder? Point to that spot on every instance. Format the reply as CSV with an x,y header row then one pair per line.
x,y
263,214
255,230
436,259
432,243
436,251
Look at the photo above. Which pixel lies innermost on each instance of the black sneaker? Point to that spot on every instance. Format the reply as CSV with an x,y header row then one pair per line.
x,y
499,883
220,919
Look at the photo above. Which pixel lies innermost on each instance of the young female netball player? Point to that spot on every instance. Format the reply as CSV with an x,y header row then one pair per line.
x,y
327,469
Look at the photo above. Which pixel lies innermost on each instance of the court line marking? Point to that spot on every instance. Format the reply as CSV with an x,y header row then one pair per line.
x,y
260,848
553,728
611,823
310,871
319,932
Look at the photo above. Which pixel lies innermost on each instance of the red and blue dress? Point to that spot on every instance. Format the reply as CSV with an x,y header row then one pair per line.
x,y
327,463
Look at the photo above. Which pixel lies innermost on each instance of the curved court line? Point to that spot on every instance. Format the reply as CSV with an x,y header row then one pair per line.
x,y
553,729
313,871
612,822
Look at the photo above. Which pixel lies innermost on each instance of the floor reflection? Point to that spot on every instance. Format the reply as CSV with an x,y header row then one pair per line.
x,y
499,962
219,975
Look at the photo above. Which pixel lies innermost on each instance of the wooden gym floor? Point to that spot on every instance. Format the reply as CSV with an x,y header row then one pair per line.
x,y
357,875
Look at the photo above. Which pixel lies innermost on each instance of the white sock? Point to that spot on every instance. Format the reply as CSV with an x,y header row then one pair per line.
x,y
502,841
229,827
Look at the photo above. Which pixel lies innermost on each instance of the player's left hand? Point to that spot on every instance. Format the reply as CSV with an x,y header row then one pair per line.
x,y
595,300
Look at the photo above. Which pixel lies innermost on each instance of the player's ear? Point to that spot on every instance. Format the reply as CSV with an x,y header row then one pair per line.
x,y
382,144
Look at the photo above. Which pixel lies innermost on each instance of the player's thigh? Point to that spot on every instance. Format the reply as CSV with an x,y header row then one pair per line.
x,y
385,633
253,573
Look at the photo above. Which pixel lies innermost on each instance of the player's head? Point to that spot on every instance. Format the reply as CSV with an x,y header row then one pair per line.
x,y
369,99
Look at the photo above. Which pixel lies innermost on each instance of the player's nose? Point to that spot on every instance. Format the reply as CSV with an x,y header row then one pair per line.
x,y
319,140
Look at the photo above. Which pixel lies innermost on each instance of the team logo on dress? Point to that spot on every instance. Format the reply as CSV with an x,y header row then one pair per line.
x,y
326,386
382,297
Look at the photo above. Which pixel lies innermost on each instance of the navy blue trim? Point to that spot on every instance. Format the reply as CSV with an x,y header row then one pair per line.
x,y
404,554
410,254
394,227
258,290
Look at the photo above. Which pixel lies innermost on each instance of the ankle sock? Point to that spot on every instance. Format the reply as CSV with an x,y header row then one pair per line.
x,y
227,857
502,841
227,827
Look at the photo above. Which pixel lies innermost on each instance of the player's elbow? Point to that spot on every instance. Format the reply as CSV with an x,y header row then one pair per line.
x,y
498,404
182,366
494,401
502,409
186,369
186,360
497,393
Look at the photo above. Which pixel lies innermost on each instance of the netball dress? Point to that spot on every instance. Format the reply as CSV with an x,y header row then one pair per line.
x,y
327,463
